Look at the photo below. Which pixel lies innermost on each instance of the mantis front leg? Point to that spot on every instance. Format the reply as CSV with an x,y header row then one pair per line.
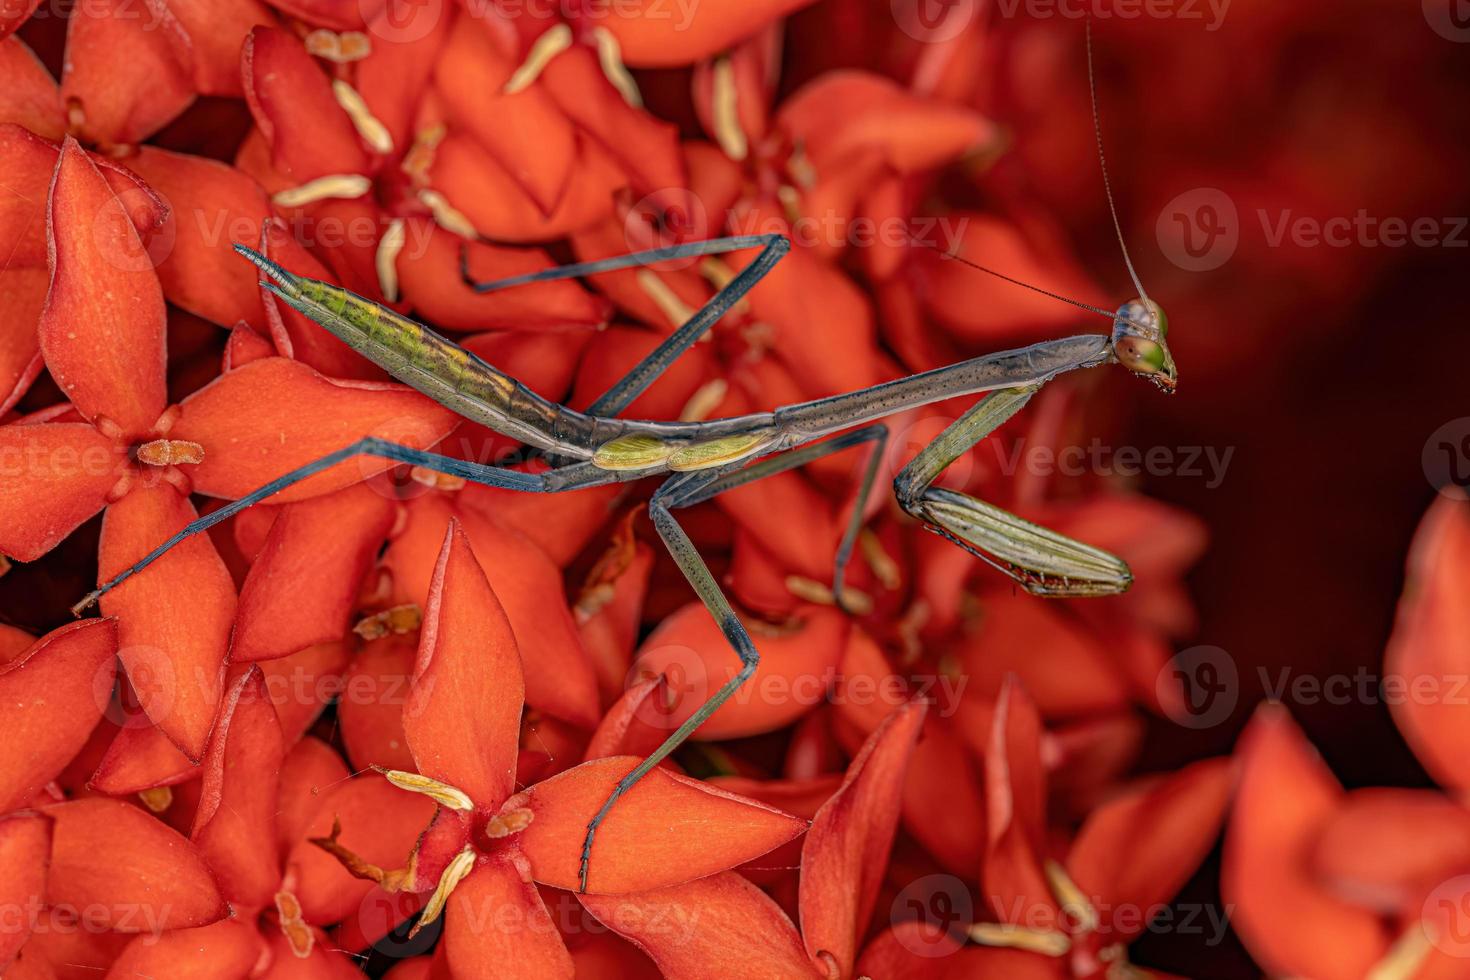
x,y
1041,561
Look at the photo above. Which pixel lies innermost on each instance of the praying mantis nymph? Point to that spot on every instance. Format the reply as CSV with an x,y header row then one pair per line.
x,y
699,460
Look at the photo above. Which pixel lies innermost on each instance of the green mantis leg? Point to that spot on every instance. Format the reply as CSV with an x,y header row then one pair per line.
x,y
686,490
1041,561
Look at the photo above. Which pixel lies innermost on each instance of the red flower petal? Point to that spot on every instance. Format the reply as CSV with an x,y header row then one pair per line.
x,y
303,585
636,724
1430,646
478,940
215,952
909,951
1289,921
380,823
844,112
136,874
463,718
943,768
234,826
665,830
273,415
846,850
374,692
16,14
528,586
1015,799
107,358
493,201
337,15
292,102
1389,848
324,962
25,857
302,684
122,72
174,617
312,769
392,79
30,98
977,307
211,206
53,694
22,295
1062,665
214,30
60,475
646,147
649,37
722,919
1138,849
526,132
429,276
140,757
609,632
795,670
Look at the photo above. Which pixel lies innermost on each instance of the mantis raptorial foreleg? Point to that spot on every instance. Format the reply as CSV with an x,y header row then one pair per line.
x,y
1041,561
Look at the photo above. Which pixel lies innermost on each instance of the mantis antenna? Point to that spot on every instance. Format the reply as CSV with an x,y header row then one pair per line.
x,y
1102,160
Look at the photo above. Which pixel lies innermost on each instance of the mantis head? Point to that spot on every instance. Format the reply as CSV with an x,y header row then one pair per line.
x,y
1138,342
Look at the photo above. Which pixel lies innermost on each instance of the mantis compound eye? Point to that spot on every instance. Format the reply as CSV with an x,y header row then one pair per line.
x,y
1138,342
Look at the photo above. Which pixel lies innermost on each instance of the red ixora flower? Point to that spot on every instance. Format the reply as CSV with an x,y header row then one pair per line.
x,y
119,444
1373,881
488,843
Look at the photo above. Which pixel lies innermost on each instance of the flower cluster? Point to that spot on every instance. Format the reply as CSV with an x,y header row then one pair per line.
x,y
363,726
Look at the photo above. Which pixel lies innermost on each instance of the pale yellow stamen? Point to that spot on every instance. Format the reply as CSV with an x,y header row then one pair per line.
x,y
420,156
725,112
879,560
1070,897
790,199
441,793
810,590
447,215
664,298
1406,956
461,866
435,479
157,799
704,401
610,56
298,934
368,126
551,43
799,166
385,260
398,620
342,48
511,821
345,186
720,275
1047,942
168,452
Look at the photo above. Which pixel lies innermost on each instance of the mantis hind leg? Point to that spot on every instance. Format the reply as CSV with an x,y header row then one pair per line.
x,y
1039,560
647,371
686,490
475,472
